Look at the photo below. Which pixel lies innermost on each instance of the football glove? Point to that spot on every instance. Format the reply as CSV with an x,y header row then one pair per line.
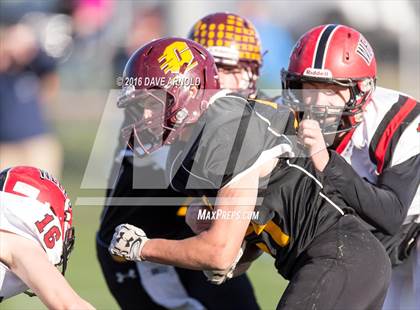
x,y
127,242
218,277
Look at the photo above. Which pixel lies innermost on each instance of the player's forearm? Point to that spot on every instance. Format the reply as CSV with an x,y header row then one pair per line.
x,y
51,287
213,249
383,205
63,300
30,263
197,252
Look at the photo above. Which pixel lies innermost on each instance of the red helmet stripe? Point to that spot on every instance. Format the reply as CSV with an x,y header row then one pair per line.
x,y
320,51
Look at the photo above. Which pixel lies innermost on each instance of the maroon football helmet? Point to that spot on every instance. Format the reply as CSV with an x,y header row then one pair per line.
x,y
167,84
334,54
233,41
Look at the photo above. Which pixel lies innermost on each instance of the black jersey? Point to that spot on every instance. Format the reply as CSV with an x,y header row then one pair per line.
x,y
295,209
234,136
155,210
128,202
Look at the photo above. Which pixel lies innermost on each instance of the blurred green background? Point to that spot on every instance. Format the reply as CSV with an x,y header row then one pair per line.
x,y
83,271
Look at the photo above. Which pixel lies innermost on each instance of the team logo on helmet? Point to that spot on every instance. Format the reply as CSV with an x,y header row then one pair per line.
x,y
177,58
364,50
44,175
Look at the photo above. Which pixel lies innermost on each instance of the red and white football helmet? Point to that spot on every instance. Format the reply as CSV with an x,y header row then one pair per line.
x,y
157,83
334,54
38,184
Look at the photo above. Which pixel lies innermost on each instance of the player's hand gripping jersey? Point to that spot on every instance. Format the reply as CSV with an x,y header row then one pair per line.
x,y
380,126
233,137
325,253
384,150
328,255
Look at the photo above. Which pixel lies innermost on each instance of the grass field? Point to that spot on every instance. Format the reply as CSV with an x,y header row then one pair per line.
x,y
84,272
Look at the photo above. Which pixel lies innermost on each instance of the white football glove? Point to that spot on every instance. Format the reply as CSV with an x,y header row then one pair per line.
x,y
127,242
220,276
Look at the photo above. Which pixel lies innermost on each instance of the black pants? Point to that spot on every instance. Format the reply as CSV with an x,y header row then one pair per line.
x,y
123,280
345,267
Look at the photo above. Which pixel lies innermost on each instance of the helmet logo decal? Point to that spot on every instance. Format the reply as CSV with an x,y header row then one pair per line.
x,y
364,50
177,58
26,190
44,175
318,73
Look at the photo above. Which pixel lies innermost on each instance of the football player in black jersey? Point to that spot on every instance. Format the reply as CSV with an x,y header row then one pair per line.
x,y
258,187
238,71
